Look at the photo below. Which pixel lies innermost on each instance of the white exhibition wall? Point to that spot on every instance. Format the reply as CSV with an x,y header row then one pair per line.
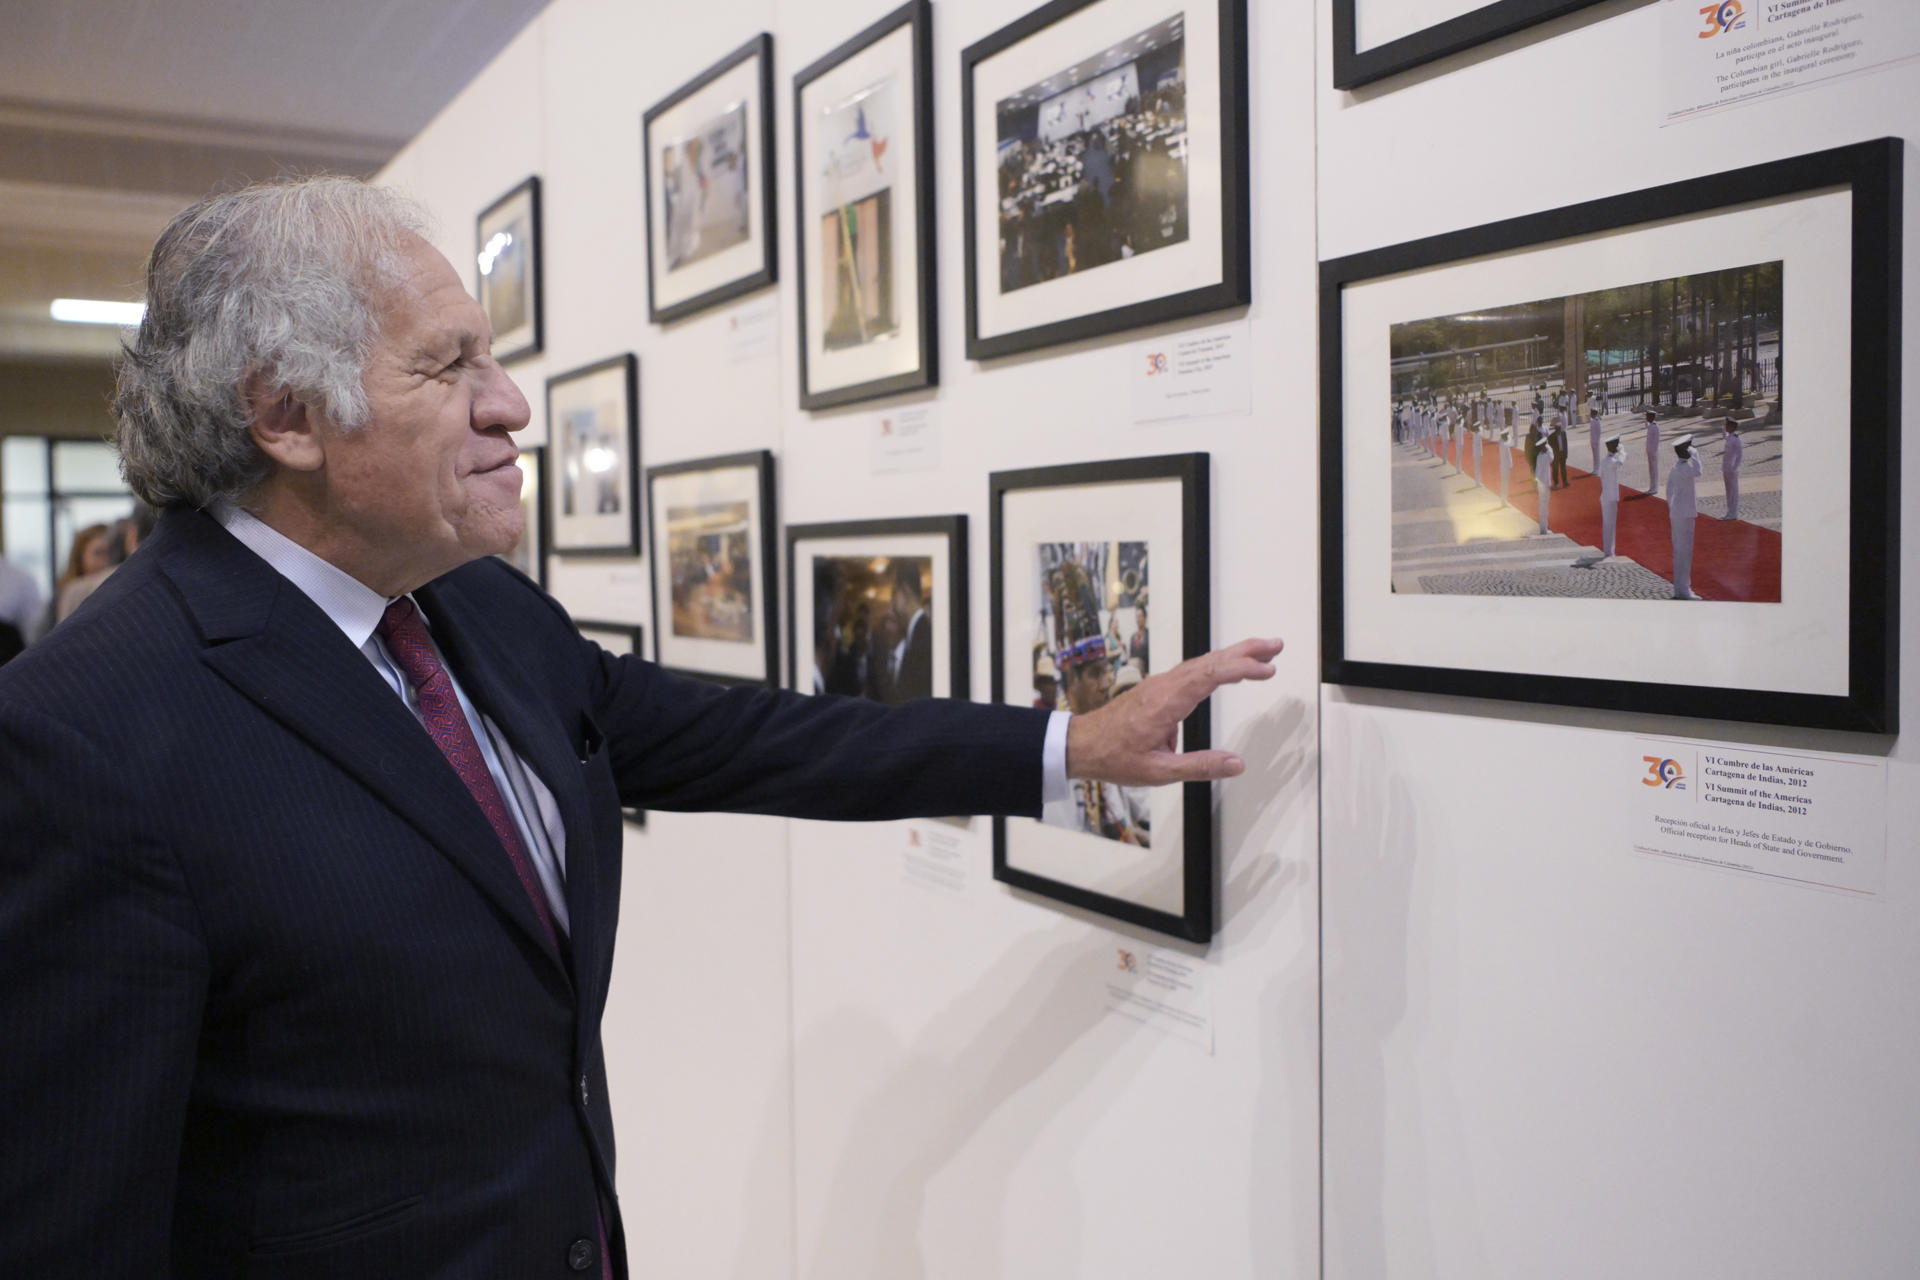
x,y
1542,1055
1546,1055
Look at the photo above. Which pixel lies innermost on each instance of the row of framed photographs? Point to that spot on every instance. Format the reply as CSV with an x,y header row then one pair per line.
x,y
1104,175
1100,571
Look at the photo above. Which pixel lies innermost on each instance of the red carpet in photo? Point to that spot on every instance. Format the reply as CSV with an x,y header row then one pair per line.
x,y
1732,560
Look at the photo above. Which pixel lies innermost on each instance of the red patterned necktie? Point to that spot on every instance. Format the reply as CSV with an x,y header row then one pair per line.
x,y
406,639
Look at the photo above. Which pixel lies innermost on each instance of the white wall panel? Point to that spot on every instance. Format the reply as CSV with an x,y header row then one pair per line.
x,y
1544,1054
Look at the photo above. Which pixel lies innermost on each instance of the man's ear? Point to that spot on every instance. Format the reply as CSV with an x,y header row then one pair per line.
x,y
282,427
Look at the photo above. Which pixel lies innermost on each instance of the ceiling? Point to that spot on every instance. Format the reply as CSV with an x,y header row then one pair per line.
x,y
116,114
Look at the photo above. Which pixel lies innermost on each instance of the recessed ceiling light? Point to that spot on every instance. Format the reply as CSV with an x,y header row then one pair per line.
x,y
94,311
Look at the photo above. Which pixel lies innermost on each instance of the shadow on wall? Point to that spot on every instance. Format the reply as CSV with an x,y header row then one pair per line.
x,y
1003,1068
1377,1180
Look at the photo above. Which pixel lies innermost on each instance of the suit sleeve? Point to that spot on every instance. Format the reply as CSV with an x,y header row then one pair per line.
x,y
102,980
684,744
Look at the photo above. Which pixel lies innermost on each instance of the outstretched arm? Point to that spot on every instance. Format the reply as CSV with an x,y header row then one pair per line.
x,y
1133,741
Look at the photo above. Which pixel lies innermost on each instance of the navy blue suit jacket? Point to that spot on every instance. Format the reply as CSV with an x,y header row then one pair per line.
x,y
276,1004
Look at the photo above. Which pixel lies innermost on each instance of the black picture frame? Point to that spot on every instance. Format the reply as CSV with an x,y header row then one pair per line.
x,y
916,17
574,533
764,269
529,555
859,538
630,638
1353,67
1872,173
519,206
1194,872
1122,306
756,490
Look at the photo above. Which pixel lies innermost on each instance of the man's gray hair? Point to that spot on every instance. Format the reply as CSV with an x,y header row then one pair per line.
x,y
271,283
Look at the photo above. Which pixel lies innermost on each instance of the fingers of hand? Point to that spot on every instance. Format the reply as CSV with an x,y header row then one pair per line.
x,y
1203,766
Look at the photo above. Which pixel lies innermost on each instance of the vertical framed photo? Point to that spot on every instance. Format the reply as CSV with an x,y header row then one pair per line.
x,y
1104,170
863,188
712,543
507,277
707,151
529,554
1100,579
1374,39
621,638
593,441
877,609
1559,463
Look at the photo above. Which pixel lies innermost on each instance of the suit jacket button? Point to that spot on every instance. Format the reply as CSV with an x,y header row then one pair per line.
x,y
580,1255
583,1091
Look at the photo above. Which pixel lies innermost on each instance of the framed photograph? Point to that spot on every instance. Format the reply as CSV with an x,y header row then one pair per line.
x,y
1373,39
529,555
707,151
1104,170
712,542
878,608
863,188
1559,463
621,638
507,281
593,438
1100,579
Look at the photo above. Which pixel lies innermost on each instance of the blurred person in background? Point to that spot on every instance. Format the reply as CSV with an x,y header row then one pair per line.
x,y
86,557
22,607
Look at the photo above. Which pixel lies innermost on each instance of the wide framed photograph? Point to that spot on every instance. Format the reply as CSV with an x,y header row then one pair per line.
x,y
593,438
877,609
1559,463
1100,578
1374,39
621,638
529,554
1104,170
863,189
507,281
712,540
707,152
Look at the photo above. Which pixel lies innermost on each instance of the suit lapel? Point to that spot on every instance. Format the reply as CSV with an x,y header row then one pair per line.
x,y
278,649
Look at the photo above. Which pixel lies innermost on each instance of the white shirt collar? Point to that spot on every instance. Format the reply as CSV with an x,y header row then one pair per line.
x,y
354,607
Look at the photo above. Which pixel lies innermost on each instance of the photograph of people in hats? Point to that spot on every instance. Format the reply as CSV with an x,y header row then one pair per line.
x,y
1646,422
1090,647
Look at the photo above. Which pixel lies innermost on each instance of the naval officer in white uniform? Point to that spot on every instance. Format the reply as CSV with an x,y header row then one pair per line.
x,y
1681,510
1731,451
1610,464
1543,478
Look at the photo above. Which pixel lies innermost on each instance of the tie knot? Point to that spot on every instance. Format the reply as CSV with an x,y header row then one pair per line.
x,y
406,638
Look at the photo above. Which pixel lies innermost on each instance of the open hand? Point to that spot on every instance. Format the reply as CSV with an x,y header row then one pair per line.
x,y
1132,742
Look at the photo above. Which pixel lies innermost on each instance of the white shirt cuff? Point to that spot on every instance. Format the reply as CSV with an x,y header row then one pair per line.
x,y
1053,759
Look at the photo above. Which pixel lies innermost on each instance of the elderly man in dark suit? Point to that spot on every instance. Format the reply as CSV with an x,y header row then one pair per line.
x,y
310,818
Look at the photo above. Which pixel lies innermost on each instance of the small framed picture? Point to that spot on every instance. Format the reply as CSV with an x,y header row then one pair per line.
x,y
863,185
507,279
1104,170
707,151
1100,579
529,554
1373,39
593,438
712,543
877,609
1559,463
621,638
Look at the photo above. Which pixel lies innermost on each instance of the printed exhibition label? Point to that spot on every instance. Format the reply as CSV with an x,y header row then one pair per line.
x,y
1730,52
906,440
1165,990
1807,817
1191,375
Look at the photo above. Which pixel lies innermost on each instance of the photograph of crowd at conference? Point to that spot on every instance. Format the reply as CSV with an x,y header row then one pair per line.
x,y
1624,443
1093,160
